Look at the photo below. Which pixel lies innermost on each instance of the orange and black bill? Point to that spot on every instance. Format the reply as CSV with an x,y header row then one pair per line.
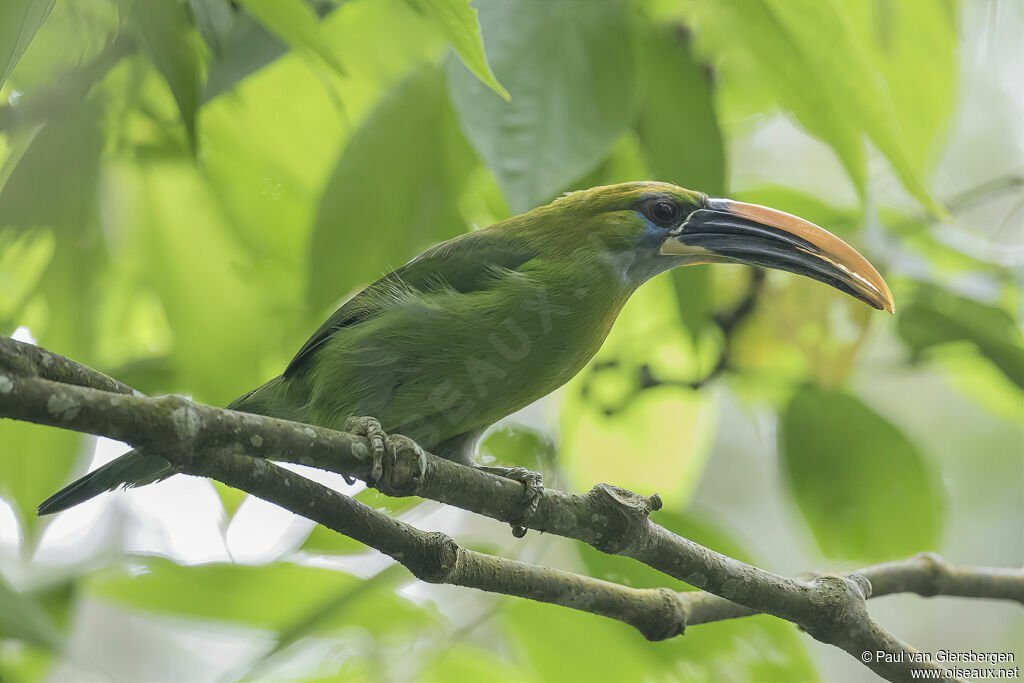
x,y
724,230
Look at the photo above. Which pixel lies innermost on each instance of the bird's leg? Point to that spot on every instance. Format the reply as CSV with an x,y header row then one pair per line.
x,y
371,429
533,485
460,449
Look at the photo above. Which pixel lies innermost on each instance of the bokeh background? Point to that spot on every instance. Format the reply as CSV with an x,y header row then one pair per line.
x,y
188,188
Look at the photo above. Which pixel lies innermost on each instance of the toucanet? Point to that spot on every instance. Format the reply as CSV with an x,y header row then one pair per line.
x,y
483,324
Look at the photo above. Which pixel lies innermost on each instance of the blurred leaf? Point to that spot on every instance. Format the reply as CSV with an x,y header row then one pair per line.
x,y
935,317
332,607
629,572
324,541
842,221
297,24
246,47
18,141
658,444
515,445
467,664
23,618
569,69
460,25
544,634
19,21
185,254
749,649
152,376
846,69
677,125
24,256
34,462
214,19
409,149
274,596
865,490
914,45
54,184
753,36
166,32
50,198
660,439
692,286
679,135
230,498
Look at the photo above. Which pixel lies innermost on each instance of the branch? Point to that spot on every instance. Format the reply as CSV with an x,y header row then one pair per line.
x,y
28,360
209,441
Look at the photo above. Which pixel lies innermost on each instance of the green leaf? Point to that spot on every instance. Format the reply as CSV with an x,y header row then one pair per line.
x,y
166,32
18,142
750,649
23,618
331,608
468,664
543,634
394,191
935,317
842,221
459,22
848,70
24,256
630,447
569,69
34,462
297,24
186,255
679,134
276,596
19,21
629,572
677,125
245,48
865,490
214,19
692,287
515,445
324,541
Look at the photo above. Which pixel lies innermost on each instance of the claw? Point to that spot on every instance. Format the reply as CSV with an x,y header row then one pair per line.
x,y
371,429
533,487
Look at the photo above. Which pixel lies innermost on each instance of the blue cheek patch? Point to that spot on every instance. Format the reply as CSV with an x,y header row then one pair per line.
x,y
653,234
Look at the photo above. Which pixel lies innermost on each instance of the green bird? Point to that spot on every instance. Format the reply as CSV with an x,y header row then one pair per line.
x,y
481,325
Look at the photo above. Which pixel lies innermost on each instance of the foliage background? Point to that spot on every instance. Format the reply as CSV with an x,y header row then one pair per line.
x,y
188,188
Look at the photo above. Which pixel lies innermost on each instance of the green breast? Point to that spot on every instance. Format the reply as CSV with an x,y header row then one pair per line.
x,y
440,364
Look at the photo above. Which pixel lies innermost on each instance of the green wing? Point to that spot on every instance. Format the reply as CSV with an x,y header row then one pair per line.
x,y
464,264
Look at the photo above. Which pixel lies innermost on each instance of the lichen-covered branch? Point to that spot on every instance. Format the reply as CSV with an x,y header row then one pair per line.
x,y
213,442
435,558
27,360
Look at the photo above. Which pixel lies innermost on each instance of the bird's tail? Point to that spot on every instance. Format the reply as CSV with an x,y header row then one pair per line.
x,y
136,468
131,469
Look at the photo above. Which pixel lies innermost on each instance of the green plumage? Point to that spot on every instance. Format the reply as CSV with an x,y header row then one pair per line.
x,y
480,326
468,332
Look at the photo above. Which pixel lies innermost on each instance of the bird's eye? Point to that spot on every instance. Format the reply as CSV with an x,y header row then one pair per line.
x,y
664,211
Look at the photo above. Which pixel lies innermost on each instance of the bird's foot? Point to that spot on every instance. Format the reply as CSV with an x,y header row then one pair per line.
x,y
533,485
397,463
370,428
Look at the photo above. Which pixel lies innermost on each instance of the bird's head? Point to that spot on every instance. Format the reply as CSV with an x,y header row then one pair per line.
x,y
645,228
